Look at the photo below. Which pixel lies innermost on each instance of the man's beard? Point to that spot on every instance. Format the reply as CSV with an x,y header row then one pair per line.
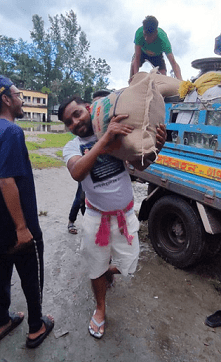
x,y
20,114
90,131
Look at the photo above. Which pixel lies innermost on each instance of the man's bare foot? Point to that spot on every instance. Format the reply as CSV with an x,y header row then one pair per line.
x,y
3,328
15,320
41,330
96,326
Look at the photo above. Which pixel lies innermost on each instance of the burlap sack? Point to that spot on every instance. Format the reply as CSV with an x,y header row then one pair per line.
x,y
145,107
167,86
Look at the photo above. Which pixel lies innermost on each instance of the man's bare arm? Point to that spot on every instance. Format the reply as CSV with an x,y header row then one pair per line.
x,y
80,166
137,58
12,199
175,66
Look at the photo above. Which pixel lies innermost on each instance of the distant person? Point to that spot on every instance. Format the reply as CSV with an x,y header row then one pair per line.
x,y
150,44
21,241
79,200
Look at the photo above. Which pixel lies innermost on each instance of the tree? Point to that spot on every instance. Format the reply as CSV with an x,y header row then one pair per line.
x,y
58,58
7,48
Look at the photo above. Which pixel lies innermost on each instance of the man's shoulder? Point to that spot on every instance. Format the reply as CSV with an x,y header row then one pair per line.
x,y
139,31
9,128
161,33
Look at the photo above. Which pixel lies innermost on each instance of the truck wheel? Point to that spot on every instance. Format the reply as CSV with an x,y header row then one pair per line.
x,y
176,231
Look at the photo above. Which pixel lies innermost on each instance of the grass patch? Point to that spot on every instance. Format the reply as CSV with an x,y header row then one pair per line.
x,y
59,153
51,140
42,161
31,146
55,140
29,124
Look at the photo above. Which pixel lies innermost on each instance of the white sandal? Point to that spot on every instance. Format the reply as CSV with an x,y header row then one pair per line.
x,y
92,332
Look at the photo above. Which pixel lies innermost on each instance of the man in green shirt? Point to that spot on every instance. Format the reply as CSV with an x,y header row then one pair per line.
x,y
150,44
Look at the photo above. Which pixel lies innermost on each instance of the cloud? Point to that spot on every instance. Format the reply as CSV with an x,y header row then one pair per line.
x,y
95,9
180,40
124,37
191,25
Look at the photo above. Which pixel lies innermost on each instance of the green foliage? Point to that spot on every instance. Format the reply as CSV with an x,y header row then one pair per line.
x,y
7,48
46,90
57,61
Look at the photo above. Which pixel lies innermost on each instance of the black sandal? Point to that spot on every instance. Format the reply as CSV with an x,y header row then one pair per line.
x,y
214,320
49,325
72,228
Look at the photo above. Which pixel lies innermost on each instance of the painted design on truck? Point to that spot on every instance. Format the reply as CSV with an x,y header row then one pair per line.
x,y
198,169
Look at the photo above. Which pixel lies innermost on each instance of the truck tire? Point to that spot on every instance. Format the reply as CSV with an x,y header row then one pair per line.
x,y
176,231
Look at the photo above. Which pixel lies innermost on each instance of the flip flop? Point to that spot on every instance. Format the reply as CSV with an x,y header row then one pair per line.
x,y
72,228
16,319
92,332
49,325
214,320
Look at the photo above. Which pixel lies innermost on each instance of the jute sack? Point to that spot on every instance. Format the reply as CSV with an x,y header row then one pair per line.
x,y
167,86
145,107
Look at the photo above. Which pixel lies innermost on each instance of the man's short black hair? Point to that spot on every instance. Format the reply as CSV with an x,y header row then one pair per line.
x,y
7,92
66,102
150,24
101,93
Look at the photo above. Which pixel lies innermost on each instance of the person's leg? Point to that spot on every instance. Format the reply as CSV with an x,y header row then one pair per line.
x,y
83,207
158,61
76,204
75,209
97,260
132,67
110,275
99,288
125,256
29,264
143,57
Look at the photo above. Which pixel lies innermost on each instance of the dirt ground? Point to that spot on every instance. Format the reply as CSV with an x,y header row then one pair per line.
x,y
156,315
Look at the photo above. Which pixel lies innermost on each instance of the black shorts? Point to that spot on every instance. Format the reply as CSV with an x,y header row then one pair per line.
x,y
156,61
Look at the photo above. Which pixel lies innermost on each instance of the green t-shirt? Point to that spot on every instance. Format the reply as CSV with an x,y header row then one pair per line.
x,y
159,46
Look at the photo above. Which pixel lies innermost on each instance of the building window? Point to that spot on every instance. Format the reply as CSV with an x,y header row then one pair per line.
x,y
27,99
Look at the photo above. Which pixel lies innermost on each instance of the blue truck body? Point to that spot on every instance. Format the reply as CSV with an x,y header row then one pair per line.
x,y
183,206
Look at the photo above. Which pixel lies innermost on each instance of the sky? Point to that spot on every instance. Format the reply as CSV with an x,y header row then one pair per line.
x,y
110,26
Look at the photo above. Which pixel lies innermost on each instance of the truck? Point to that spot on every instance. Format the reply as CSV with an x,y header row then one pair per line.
x,y
183,203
